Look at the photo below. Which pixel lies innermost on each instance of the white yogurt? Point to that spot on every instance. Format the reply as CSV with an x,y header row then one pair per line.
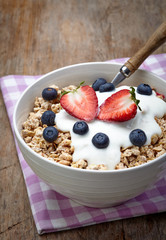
x,y
118,132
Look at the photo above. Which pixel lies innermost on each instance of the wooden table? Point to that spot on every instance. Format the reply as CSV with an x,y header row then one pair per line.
x,y
37,36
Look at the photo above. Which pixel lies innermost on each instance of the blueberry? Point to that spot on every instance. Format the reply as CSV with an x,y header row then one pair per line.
x,y
100,140
138,137
48,118
98,83
80,127
50,134
144,89
106,87
49,93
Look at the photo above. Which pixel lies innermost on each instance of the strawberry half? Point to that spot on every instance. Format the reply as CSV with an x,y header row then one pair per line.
x,y
81,103
118,107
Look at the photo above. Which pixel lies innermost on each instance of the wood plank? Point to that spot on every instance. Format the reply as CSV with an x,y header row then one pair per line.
x,y
40,36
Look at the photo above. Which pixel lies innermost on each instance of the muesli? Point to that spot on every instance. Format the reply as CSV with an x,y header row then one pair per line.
x,y
97,127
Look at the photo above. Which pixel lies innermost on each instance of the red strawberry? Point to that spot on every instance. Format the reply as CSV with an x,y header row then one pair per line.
x,y
118,107
81,103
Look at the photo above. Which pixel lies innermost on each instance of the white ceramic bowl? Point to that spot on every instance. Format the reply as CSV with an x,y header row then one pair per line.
x,y
88,187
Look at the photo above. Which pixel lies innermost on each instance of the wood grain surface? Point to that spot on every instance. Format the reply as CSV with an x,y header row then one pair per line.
x,y
37,36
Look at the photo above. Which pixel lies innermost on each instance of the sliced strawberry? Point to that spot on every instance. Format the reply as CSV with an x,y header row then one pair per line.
x,y
118,107
81,103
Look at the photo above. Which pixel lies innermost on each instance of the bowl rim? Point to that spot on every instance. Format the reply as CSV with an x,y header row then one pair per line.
x,y
19,137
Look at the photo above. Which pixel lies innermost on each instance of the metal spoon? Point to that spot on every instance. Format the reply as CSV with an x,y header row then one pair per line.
x,y
155,41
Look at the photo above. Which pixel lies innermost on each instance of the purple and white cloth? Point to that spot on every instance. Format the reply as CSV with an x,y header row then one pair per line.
x,y
53,212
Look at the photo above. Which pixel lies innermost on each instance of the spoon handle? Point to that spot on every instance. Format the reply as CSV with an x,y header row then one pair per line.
x,y
155,41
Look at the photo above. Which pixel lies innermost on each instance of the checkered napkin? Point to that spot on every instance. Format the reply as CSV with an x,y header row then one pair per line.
x,y
53,212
